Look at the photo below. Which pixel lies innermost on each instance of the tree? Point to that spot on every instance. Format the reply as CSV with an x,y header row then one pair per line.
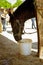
x,y
5,4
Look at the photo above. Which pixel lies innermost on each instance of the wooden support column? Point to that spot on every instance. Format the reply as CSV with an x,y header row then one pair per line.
x,y
39,4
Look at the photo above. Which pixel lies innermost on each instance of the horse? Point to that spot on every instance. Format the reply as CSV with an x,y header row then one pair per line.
x,y
25,11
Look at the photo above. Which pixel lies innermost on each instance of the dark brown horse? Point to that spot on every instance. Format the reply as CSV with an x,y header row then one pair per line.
x,y
25,11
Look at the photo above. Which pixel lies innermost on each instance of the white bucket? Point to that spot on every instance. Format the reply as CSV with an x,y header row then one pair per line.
x,y
25,46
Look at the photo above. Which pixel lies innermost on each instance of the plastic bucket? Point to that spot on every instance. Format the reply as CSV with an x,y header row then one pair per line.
x,y
25,46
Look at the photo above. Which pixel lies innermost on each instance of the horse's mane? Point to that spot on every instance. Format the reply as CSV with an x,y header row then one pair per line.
x,y
28,5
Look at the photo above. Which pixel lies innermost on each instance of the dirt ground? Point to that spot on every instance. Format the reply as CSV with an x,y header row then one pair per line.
x,y
9,54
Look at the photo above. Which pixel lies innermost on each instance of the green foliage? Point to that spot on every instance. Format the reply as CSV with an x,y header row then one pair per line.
x,y
5,4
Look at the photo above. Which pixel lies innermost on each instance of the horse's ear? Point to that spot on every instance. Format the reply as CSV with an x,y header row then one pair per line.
x,y
10,11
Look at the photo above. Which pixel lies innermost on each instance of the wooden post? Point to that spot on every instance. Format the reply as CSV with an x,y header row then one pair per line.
x,y
39,4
